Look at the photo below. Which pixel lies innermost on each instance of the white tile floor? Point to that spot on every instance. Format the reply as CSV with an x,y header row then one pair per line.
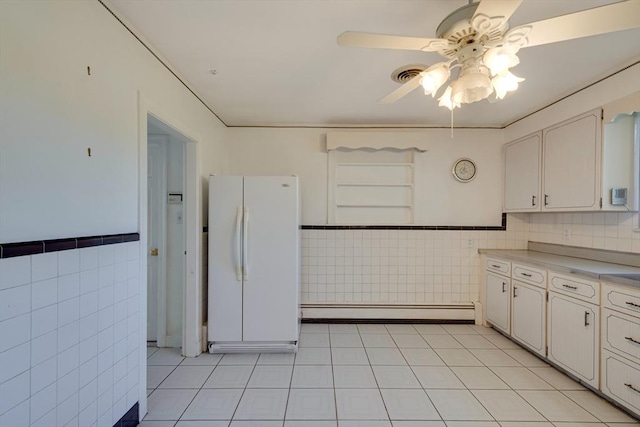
x,y
373,376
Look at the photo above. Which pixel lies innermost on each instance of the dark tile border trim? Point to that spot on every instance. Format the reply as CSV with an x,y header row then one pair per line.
x,y
130,419
10,250
389,321
502,227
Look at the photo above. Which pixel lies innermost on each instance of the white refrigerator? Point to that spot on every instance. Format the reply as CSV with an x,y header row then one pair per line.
x,y
254,264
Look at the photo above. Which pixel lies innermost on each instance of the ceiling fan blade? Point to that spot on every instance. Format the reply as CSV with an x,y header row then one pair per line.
x,y
409,86
605,19
383,41
497,8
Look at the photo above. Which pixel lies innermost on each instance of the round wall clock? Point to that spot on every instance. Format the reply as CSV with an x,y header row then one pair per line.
x,y
464,170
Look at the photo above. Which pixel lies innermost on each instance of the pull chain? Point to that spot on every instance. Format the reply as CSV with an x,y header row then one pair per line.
x,y
452,123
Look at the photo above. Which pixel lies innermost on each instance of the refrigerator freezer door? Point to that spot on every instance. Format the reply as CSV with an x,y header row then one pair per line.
x,y
225,288
271,290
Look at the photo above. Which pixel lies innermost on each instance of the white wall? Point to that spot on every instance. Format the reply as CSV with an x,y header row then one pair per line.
x,y
440,199
51,111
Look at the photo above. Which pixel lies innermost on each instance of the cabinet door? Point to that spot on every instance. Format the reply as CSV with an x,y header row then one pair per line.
x,y
528,321
573,336
498,301
522,174
572,153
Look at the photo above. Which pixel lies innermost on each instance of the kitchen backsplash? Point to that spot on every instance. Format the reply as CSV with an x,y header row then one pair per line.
x,y
399,266
423,266
598,230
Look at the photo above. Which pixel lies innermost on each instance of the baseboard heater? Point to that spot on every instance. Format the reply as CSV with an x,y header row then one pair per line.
x,y
413,312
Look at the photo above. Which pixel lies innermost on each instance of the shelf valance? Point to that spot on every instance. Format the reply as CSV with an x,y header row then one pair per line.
x,y
355,140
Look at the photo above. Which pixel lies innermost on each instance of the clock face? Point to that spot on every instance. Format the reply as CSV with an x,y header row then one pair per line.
x,y
464,170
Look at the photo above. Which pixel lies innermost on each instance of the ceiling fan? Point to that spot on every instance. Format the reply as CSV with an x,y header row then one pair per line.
x,y
476,39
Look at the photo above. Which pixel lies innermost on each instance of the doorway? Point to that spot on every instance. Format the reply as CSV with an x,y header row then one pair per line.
x,y
166,234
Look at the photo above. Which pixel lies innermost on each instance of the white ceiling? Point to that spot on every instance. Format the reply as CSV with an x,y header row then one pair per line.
x,y
278,63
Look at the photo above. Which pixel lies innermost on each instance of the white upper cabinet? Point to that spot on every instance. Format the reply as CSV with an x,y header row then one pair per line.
x,y
576,165
571,163
522,174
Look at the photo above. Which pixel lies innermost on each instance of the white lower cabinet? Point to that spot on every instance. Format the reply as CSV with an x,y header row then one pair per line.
x,y
621,380
620,368
498,310
573,336
528,321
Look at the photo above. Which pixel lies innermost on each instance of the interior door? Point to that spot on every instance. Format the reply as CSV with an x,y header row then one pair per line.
x,y
225,244
156,189
271,276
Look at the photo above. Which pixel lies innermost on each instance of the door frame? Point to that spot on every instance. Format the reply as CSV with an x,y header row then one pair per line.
x,y
192,296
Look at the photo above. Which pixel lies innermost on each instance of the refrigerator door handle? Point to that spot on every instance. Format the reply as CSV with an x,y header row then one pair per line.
x,y
245,244
238,244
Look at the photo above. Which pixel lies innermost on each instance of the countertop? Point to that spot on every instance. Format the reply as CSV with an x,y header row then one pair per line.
x,y
563,264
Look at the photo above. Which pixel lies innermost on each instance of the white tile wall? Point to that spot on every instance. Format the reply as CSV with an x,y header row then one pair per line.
x,y
599,230
69,337
399,266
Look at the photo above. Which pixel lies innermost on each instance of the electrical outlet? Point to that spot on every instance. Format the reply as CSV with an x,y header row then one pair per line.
x,y
179,217
470,243
566,235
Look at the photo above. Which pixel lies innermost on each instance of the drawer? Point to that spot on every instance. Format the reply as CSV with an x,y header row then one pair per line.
x,y
621,380
621,334
578,287
621,298
531,275
499,266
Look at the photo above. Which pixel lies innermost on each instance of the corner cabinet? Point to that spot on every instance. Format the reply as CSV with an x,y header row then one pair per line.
x,y
571,163
522,174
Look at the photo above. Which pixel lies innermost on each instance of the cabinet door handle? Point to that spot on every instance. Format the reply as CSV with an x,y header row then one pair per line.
x,y
632,388
570,287
546,199
586,318
514,291
533,200
525,274
503,285
632,340
632,304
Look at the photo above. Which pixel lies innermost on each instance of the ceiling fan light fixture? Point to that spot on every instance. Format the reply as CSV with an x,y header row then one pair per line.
x,y
433,79
446,101
471,86
500,59
505,82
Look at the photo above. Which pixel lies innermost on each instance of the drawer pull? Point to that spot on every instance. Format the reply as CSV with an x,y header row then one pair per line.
x,y
503,285
570,287
495,266
586,318
632,340
525,274
632,304
632,388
